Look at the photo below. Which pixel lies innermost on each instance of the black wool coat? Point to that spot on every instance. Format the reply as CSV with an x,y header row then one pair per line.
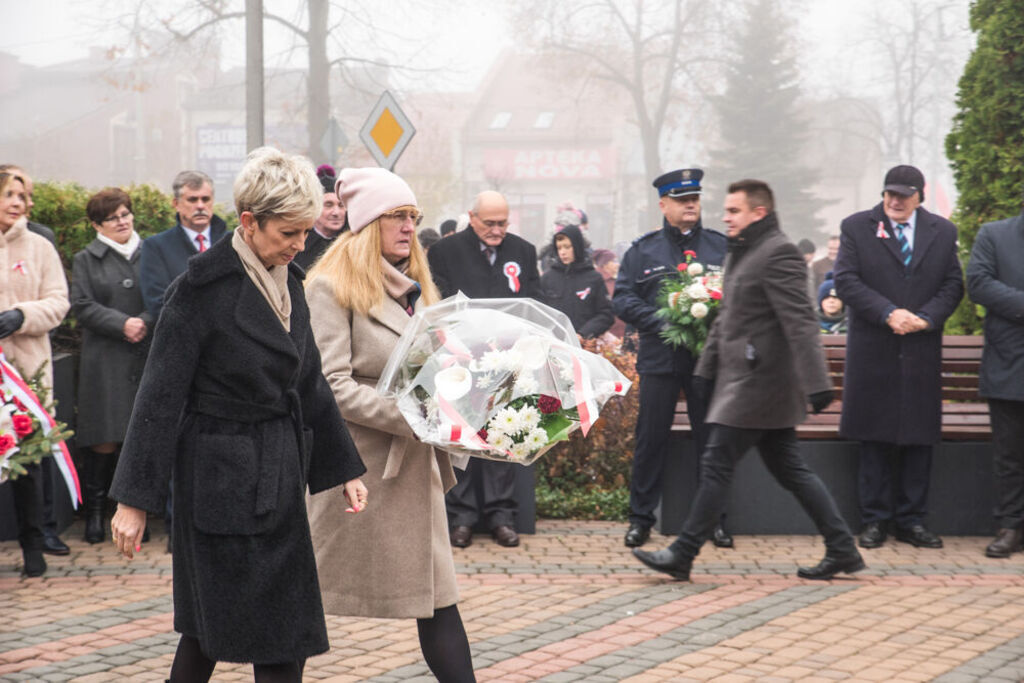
x,y
457,264
995,280
105,292
164,257
892,387
240,411
578,290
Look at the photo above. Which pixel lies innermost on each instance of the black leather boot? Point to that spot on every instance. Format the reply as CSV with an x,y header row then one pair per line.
x,y
97,478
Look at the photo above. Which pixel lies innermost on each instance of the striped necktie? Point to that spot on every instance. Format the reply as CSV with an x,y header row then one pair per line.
x,y
905,250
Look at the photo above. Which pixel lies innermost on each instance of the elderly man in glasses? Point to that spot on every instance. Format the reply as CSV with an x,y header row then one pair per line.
x,y
485,261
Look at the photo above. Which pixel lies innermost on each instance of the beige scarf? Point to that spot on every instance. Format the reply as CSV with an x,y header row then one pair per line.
x,y
396,283
271,282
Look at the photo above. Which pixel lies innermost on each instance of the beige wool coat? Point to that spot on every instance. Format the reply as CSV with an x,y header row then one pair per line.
x,y
32,281
394,558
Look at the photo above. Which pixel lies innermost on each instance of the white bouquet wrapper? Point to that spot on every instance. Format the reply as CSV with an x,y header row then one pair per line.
x,y
501,379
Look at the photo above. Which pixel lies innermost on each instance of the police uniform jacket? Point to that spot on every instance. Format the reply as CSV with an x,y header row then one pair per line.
x,y
105,292
458,265
578,290
240,411
764,350
892,387
648,260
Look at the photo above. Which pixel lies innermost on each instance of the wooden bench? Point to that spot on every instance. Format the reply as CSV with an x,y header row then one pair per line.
x,y
964,413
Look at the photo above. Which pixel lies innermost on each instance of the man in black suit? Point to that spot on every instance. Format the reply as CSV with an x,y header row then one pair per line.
x,y
483,262
165,255
899,275
995,280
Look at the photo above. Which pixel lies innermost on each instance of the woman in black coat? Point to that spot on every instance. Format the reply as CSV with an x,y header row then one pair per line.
x,y
233,401
107,302
573,287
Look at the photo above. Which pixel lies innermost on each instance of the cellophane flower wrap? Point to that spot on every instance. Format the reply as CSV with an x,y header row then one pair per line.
x,y
689,300
501,379
28,433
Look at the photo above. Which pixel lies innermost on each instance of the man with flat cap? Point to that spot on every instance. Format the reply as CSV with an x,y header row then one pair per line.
x,y
663,370
898,273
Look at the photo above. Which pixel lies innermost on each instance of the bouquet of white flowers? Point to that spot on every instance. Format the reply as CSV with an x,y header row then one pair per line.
x,y
502,379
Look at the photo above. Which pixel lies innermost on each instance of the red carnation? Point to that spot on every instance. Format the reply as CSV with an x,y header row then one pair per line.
x,y
681,267
715,294
22,425
690,253
482,434
6,443
548,404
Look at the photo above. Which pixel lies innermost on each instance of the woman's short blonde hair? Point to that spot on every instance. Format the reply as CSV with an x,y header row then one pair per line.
x,y
273,184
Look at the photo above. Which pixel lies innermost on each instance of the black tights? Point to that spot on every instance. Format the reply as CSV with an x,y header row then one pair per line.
x,y
192,666
445,646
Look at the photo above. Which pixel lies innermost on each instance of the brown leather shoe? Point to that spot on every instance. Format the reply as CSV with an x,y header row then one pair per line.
x,y
461,536
505,536
1008,541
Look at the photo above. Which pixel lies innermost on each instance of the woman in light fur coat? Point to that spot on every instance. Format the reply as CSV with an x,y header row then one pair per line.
x,y
393,560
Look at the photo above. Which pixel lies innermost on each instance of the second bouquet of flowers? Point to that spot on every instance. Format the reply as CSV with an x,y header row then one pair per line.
x,y
689,302
502,379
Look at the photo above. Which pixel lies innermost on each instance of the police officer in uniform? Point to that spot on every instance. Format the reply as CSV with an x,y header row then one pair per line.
x,y
663,370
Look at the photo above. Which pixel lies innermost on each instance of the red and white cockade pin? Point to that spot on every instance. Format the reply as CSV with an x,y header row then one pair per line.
x,y
512,271
881,233
20,266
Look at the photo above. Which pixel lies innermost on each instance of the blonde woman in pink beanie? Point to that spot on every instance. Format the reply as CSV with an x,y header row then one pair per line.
x,y
393,560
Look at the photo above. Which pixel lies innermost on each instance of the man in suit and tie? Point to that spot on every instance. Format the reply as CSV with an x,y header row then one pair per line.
x,y
165,255
899,275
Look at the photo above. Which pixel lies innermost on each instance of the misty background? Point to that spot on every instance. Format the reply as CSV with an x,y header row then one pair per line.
x,y
547,101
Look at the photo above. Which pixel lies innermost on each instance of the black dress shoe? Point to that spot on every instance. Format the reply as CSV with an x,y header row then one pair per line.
x,y
1007,542
54,546
461,536
35,564
505,536
721,538
917,536
831,566
637,535
672,563
873,536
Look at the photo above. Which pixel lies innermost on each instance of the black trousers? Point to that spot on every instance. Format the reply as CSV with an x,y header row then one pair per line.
x,y
497,504
1008,460
780,451
27,491
658,397
893,483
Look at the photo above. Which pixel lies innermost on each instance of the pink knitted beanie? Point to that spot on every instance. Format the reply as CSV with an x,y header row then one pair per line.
x,y
369,192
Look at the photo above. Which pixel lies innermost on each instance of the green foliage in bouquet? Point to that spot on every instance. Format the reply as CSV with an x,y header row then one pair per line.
x,y
37,444
689,301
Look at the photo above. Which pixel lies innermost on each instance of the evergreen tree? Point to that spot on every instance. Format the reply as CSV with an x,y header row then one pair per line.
x,y
986,145
762,134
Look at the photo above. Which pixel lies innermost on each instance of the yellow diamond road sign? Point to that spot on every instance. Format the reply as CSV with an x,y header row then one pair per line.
x,y
387,131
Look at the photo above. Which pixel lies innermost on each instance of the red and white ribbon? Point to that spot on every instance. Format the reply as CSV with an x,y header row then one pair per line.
x,y
454,345
20,267
12,382
881,233
512,271
585,405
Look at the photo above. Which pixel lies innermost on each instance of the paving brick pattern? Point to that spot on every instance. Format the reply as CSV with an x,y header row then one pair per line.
x,y
571,604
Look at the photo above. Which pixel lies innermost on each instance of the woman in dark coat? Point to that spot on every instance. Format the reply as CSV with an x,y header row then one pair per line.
x,y
572,286
235,404
107,302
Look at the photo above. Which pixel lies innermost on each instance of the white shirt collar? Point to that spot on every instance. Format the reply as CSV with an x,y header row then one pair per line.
x,y
192,234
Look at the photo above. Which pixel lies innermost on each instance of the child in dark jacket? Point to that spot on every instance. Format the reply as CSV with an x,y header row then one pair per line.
x,y
831,311
575,288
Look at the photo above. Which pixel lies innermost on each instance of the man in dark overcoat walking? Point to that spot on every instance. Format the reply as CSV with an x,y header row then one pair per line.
x,y
898,274
485,261
765,356
664,371
995,280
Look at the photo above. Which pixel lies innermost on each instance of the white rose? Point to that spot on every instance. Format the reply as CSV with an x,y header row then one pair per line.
x,y
699,310
697,292
694,269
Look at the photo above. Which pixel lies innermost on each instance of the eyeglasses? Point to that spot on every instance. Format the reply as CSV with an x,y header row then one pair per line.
x,y
117,218
402,216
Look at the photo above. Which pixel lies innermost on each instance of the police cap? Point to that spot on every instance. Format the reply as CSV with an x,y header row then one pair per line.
x,y
679,183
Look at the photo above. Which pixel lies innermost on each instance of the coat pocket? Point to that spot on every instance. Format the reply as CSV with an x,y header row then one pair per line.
x,y
225,482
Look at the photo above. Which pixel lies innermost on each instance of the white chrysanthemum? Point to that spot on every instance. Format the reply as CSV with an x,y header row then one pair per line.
x,y
529,418
521,451
506,421
536,438
491,361
694,269
699,310
697,292
525,385
502,442
565,371
512,360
